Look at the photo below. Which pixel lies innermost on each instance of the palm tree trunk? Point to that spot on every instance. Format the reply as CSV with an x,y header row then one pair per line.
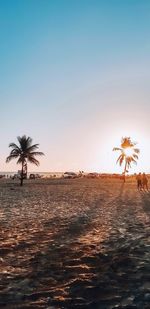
x,y
26,171
21,179
125,171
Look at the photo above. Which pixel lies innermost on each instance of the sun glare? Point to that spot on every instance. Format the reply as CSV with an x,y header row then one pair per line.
x,y
128,152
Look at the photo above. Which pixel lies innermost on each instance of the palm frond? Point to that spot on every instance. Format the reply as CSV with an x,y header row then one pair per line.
x,y
14,146
131,159
119,158
33,161
134,162
117,148
128,164
136,150
135,156
11,157
24,142
29,141
32,147
21,160
15,152
35,153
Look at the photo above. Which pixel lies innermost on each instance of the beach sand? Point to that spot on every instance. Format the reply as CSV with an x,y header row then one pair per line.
x,y
81,243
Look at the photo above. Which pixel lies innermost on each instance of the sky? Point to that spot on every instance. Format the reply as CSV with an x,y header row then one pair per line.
x,y
74,75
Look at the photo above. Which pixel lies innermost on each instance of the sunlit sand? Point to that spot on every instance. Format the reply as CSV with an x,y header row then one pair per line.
x,y
81,243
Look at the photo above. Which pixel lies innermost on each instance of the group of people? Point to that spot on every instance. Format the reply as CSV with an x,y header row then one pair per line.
x,y
142,182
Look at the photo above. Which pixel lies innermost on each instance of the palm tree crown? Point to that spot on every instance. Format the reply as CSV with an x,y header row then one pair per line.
x,y
25,152
128,153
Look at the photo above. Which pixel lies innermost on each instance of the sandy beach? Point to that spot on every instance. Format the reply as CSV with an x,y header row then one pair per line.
x,y
81,243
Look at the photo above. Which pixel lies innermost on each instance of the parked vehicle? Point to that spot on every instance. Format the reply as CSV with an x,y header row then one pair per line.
x,y
34,176
92,175
16,176
70,175
2,176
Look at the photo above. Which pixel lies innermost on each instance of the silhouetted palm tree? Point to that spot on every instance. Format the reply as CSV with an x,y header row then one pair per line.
x,y
129,154
25,152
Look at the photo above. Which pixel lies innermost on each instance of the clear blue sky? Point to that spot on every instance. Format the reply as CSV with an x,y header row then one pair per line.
x,y
74,75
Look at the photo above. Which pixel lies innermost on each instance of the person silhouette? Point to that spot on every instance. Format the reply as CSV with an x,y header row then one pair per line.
x,y
139,181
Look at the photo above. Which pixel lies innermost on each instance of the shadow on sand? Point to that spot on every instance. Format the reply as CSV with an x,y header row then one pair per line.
x,y
67,273
146,202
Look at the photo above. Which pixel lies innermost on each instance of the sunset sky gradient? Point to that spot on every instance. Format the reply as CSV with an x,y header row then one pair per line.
x,y
75,76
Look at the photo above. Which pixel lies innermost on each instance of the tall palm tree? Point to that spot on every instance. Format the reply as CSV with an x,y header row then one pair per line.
x,y
128,153
25,152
